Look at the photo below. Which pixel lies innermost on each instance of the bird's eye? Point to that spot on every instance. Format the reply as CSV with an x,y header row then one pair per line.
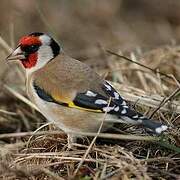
x,y
30,49
32,46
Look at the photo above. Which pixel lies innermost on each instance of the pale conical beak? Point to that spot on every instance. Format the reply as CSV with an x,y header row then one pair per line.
x,y
17,54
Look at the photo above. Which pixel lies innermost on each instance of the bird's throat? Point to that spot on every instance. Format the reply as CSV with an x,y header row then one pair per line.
x,y
30,61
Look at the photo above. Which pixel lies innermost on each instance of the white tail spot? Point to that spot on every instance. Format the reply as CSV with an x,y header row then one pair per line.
x,y
123,111
116,108
116,95
108,87
123,103
160,129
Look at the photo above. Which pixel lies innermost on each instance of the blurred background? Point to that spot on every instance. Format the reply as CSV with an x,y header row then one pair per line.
x,y
86,28
82,25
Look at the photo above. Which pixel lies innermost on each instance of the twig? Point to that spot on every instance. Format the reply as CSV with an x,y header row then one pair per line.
x,y
41,156
101,135
51,174
4,44
44,19
41,127
21,97
177,82
11,33
130,60
159,159
139,73
23,134
164,101
111,174
164,172
8,112
133,94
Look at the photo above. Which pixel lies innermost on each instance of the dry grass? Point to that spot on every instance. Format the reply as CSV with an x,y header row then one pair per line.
x,y
129,153
124,152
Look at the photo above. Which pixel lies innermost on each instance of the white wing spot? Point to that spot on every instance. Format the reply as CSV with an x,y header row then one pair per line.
x,y
108,87
107,109
116,95
160,129
136,116
142,117
123,111
91,94
100,101
123,103
116,108
125,107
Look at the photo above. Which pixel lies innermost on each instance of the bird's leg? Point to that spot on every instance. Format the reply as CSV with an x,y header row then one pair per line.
x,y
71,139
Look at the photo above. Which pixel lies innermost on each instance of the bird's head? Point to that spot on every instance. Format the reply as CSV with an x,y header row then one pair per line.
x,y
35,50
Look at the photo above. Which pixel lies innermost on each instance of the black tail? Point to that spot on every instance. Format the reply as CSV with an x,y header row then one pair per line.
x,y
132,117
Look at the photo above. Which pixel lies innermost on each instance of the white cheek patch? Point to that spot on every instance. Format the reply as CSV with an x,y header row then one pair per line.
x,y
45,54
46,40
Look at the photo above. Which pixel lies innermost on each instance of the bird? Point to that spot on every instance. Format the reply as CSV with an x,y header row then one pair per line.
x,y
69,93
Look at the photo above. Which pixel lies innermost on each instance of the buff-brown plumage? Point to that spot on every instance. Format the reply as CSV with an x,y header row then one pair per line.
x,y
69,93
64,77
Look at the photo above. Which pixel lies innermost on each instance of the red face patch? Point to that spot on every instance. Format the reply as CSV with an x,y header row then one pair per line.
x,y
29,40
30,61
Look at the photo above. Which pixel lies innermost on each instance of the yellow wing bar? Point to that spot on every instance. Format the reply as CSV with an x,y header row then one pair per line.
x,y
72,105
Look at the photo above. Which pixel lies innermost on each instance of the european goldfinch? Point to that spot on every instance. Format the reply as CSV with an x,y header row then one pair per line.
x,y
68,92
